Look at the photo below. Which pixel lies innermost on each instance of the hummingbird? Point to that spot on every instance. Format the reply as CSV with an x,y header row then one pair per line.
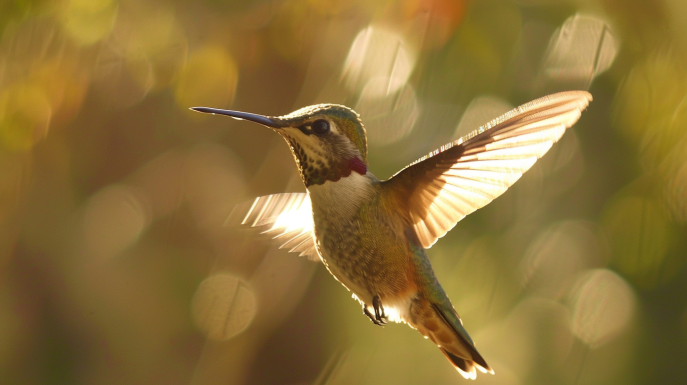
x,y
371,234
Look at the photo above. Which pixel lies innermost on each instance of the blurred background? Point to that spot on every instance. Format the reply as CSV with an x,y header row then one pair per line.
x,y
117,261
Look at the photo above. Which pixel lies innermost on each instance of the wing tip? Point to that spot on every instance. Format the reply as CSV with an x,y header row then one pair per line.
x,y
583,96
285,218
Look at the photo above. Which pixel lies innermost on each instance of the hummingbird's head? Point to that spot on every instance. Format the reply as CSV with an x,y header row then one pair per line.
x,y
328,141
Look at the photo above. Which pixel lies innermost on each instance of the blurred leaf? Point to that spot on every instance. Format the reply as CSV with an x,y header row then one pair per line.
x,y
474,60
24,116
641,239
650,104
208,79
88,21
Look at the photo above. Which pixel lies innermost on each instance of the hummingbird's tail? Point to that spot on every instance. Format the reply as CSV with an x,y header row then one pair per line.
x,y
441,324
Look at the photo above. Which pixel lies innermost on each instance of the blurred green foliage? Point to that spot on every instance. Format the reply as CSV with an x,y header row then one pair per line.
x,y
118,263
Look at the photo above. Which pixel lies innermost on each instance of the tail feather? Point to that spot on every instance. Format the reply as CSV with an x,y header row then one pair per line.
x,y
465,367
455,342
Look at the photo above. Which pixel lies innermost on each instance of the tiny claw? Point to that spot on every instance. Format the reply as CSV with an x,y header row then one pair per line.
x,y
372,317
379,310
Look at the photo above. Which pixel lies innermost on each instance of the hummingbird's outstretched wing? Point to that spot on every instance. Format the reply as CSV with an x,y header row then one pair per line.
x,y
288,219
443,187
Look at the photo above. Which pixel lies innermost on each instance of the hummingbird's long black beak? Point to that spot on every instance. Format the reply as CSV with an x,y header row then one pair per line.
x,y
261,119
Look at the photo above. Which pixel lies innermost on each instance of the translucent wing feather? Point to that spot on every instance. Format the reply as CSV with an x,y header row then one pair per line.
x,y
443,187
288,219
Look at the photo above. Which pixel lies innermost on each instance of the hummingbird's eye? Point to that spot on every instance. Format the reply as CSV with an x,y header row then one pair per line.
x,y
320,127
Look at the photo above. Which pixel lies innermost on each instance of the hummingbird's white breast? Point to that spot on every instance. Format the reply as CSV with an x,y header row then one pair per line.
x,y
342,199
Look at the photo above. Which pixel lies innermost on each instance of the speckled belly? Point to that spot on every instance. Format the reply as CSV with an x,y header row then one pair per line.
x,y
367,257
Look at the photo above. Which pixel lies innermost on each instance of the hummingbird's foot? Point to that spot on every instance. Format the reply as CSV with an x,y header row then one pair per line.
x,y
379,318
379,310
372,317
